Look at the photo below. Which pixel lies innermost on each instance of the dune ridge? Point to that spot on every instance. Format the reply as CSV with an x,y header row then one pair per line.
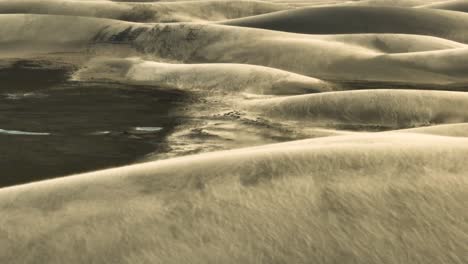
x,y
455,5
143,12
319,57
452,130
328,58
361,185
309,131
212,77
322,57
386,108
365,19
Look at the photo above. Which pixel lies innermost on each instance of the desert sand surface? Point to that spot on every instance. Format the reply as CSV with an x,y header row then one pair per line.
x,y
457,5
144,11
212,131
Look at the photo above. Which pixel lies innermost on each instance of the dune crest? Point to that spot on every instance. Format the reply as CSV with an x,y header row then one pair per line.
x,y
324,57
216,131
365,19
189,11
456,5
215,77
356,186
386,108
452,130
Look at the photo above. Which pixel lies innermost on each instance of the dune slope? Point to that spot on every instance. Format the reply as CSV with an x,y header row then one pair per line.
x,y
212,77
456,5
386,193
386,108
324,57
143,12
282,131
362,19
451,130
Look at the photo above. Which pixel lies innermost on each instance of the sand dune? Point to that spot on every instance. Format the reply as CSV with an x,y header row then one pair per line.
x,y
307,55
391,3
457,5
43,33
326,57
363,19
361,193
433,63
448,130
395,43
331,3
252,73
387,108
359,57
215,77
452,130
143,12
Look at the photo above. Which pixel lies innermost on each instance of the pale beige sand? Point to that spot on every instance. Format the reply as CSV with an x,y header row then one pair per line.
x,y
350,198
456,5
360,57
210,10
365,19
395,43
316,3
343,197
387,108
452,130
212,77
392,3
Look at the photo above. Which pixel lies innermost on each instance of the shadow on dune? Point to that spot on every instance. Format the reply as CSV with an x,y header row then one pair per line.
x,y
76,127
27,75
143,11
183,91
339,196
456,5
362,19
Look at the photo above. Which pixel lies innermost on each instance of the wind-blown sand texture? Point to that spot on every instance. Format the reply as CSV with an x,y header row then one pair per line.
x,y
319,131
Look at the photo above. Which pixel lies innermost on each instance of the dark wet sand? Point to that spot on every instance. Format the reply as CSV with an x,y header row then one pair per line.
x,y
91,127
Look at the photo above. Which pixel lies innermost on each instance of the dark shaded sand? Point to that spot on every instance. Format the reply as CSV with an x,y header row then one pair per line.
x,y
333,189
363,19
91,126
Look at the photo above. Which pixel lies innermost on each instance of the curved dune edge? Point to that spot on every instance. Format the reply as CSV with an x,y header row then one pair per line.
x,y
35,34
447,130
387,108
393,3
452,130
395,43
359,190
323,57
321,3
214,77
315,56
366,19
190,11
456,5
352,197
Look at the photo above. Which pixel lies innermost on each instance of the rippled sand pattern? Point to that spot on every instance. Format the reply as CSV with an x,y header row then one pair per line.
x,y
211,131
